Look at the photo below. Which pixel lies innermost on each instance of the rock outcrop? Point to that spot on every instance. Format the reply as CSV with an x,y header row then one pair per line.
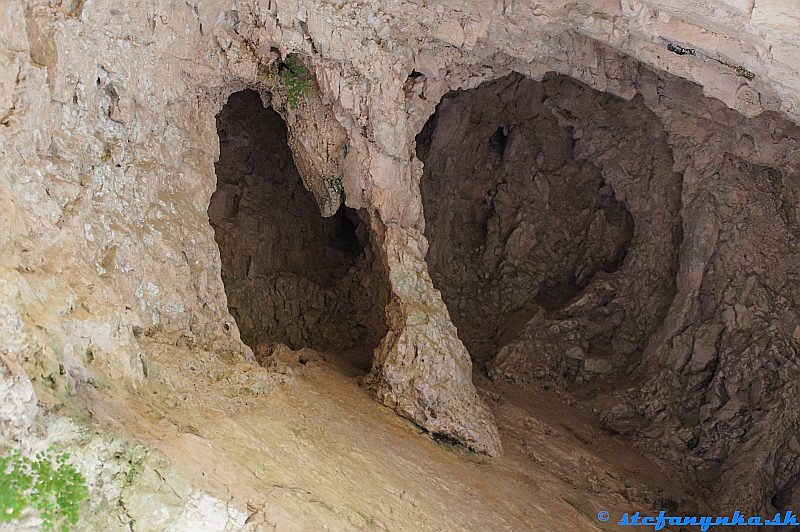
x,y
108,143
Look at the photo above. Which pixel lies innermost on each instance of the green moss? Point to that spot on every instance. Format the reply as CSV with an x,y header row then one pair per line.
x,y
335,185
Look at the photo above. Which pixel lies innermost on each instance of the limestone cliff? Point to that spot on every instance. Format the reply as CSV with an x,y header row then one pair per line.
x,y
666,151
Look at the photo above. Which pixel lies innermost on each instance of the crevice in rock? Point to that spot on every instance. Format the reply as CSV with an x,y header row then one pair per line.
x,y
291,276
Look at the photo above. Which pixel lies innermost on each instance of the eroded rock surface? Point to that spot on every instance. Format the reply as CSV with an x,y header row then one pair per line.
x,y
670,220
290,275
108,141
521,220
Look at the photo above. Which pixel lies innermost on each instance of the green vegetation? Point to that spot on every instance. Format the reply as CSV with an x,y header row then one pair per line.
x,y
295,79
47,484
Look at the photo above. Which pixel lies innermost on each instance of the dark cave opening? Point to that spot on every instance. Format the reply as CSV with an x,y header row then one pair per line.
x,y
291,276
528,231
628,252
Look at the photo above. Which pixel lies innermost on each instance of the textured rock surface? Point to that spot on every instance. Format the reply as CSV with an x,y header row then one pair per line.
x,y
290,275
132,487
107,147
702,309
523,222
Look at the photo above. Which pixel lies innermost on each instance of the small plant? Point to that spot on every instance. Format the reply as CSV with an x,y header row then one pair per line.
x,y
296,80
54,492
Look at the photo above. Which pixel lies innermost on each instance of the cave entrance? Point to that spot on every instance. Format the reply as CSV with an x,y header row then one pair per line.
x,y
291,276
528,235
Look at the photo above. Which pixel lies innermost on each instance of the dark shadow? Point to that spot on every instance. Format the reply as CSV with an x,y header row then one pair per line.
x,y
291,276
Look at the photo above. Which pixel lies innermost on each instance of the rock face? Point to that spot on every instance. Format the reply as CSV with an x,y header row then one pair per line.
x,y
519,219
657,233
577,235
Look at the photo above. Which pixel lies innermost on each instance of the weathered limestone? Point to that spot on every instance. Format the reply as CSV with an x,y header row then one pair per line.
x,y
712,196
107,150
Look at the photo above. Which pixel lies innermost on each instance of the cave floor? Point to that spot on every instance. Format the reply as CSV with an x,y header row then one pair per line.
x,y
303,447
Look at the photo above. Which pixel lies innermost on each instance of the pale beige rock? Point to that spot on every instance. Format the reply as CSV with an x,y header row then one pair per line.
x,y
108,142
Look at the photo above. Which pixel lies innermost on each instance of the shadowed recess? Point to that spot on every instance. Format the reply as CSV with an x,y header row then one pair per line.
x,y
291,276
